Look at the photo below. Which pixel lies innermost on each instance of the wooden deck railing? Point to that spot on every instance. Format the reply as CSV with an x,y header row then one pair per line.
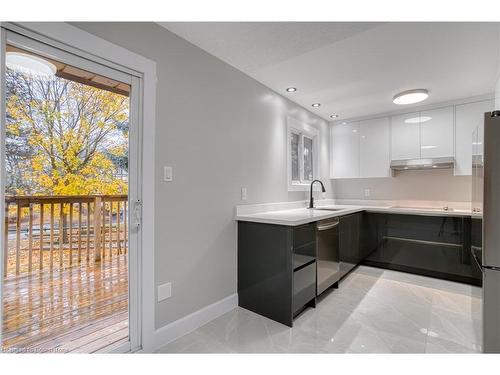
x,y
55,232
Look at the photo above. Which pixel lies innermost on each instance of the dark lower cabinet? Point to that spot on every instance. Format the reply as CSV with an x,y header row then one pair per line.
x,y
437,246
304,287
277,265
276,269
349,242
369,239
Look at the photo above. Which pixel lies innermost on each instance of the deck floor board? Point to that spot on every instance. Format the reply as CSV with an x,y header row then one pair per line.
x,y
82,308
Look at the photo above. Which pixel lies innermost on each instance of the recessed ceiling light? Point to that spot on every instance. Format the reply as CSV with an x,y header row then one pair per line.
x,y
416,120
334,116
410,96
30,64
316,104
291,89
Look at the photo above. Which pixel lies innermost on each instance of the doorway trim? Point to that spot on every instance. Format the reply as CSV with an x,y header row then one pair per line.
x,y
83,44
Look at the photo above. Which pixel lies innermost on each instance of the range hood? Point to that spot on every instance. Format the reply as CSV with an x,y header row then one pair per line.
x,y
427,163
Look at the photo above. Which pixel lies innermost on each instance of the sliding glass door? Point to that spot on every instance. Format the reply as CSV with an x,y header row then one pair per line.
x,y
71,201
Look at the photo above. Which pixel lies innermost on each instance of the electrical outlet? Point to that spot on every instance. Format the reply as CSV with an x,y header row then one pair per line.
x,y
164,291
243,193
367,193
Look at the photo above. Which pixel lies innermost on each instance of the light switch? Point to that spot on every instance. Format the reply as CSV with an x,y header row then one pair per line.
x,y
243,194
367,193
164,291
167,174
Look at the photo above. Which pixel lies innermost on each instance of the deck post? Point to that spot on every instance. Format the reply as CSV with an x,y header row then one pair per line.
x,y
6,240
18,238
30,239
62,223
42,232
97,228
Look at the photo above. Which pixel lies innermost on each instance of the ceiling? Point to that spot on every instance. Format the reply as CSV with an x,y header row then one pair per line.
x,y
353,68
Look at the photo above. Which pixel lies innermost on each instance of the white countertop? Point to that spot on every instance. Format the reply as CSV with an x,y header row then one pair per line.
x,y
299,216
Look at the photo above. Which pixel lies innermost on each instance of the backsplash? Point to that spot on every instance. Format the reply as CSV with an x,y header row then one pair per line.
x,y
433,185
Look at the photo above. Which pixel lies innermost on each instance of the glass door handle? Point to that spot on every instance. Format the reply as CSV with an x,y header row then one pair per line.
x,y
137,213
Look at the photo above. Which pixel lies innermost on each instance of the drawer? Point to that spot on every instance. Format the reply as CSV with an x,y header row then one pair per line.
x,y
300,261
304,286
308,250
304,234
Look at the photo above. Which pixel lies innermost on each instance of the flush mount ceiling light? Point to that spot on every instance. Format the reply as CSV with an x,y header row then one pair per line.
x,y
316,104
334,116
410,96
416,120
30,64
291,89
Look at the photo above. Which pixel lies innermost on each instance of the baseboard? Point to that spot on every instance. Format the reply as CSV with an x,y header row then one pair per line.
x,y
189,323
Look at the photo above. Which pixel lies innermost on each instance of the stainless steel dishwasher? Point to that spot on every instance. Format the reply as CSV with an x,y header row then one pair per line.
x,y
327,254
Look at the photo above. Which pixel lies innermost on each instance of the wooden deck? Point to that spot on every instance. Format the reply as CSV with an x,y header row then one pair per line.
x,y
82,308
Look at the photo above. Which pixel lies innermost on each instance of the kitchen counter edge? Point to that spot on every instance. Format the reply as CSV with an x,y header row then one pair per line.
x,y
309,216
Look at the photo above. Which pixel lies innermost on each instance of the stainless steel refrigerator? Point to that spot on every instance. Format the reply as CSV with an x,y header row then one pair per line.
x,y
486,190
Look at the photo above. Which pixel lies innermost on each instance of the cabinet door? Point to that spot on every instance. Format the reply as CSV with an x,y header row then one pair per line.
x,y
467,118
405,139
345,143
374,148
349,242
436,133
477,168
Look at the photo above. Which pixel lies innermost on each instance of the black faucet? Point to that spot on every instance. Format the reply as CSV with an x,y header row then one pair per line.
x,y
311,199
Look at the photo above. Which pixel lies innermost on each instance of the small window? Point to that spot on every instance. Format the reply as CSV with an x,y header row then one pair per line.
x,y
295,139
308,159
302,155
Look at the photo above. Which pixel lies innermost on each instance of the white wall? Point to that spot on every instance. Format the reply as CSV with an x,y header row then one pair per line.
x,y
220,130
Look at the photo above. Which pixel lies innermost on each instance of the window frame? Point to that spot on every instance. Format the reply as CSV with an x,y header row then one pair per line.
x,y
303,130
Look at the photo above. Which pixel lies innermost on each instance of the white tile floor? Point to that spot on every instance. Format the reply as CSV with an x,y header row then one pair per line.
x,y
373,311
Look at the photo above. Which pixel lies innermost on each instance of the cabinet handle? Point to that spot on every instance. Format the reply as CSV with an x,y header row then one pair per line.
x,y
328,226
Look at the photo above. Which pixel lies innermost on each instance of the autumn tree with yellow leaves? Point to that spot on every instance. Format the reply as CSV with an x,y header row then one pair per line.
x,y
64,137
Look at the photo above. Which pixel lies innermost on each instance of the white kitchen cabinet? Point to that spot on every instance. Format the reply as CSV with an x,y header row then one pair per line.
x,y
374,148
467,118
436,133
425,134
405,136
345,154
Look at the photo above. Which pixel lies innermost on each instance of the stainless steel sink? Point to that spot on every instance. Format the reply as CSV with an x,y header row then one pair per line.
x,y
327,209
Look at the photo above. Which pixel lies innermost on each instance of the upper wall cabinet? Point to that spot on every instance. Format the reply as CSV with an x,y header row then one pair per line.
x,y
425,134
405,138
361,149
374,148
345,143
365,148
436,133
467,118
